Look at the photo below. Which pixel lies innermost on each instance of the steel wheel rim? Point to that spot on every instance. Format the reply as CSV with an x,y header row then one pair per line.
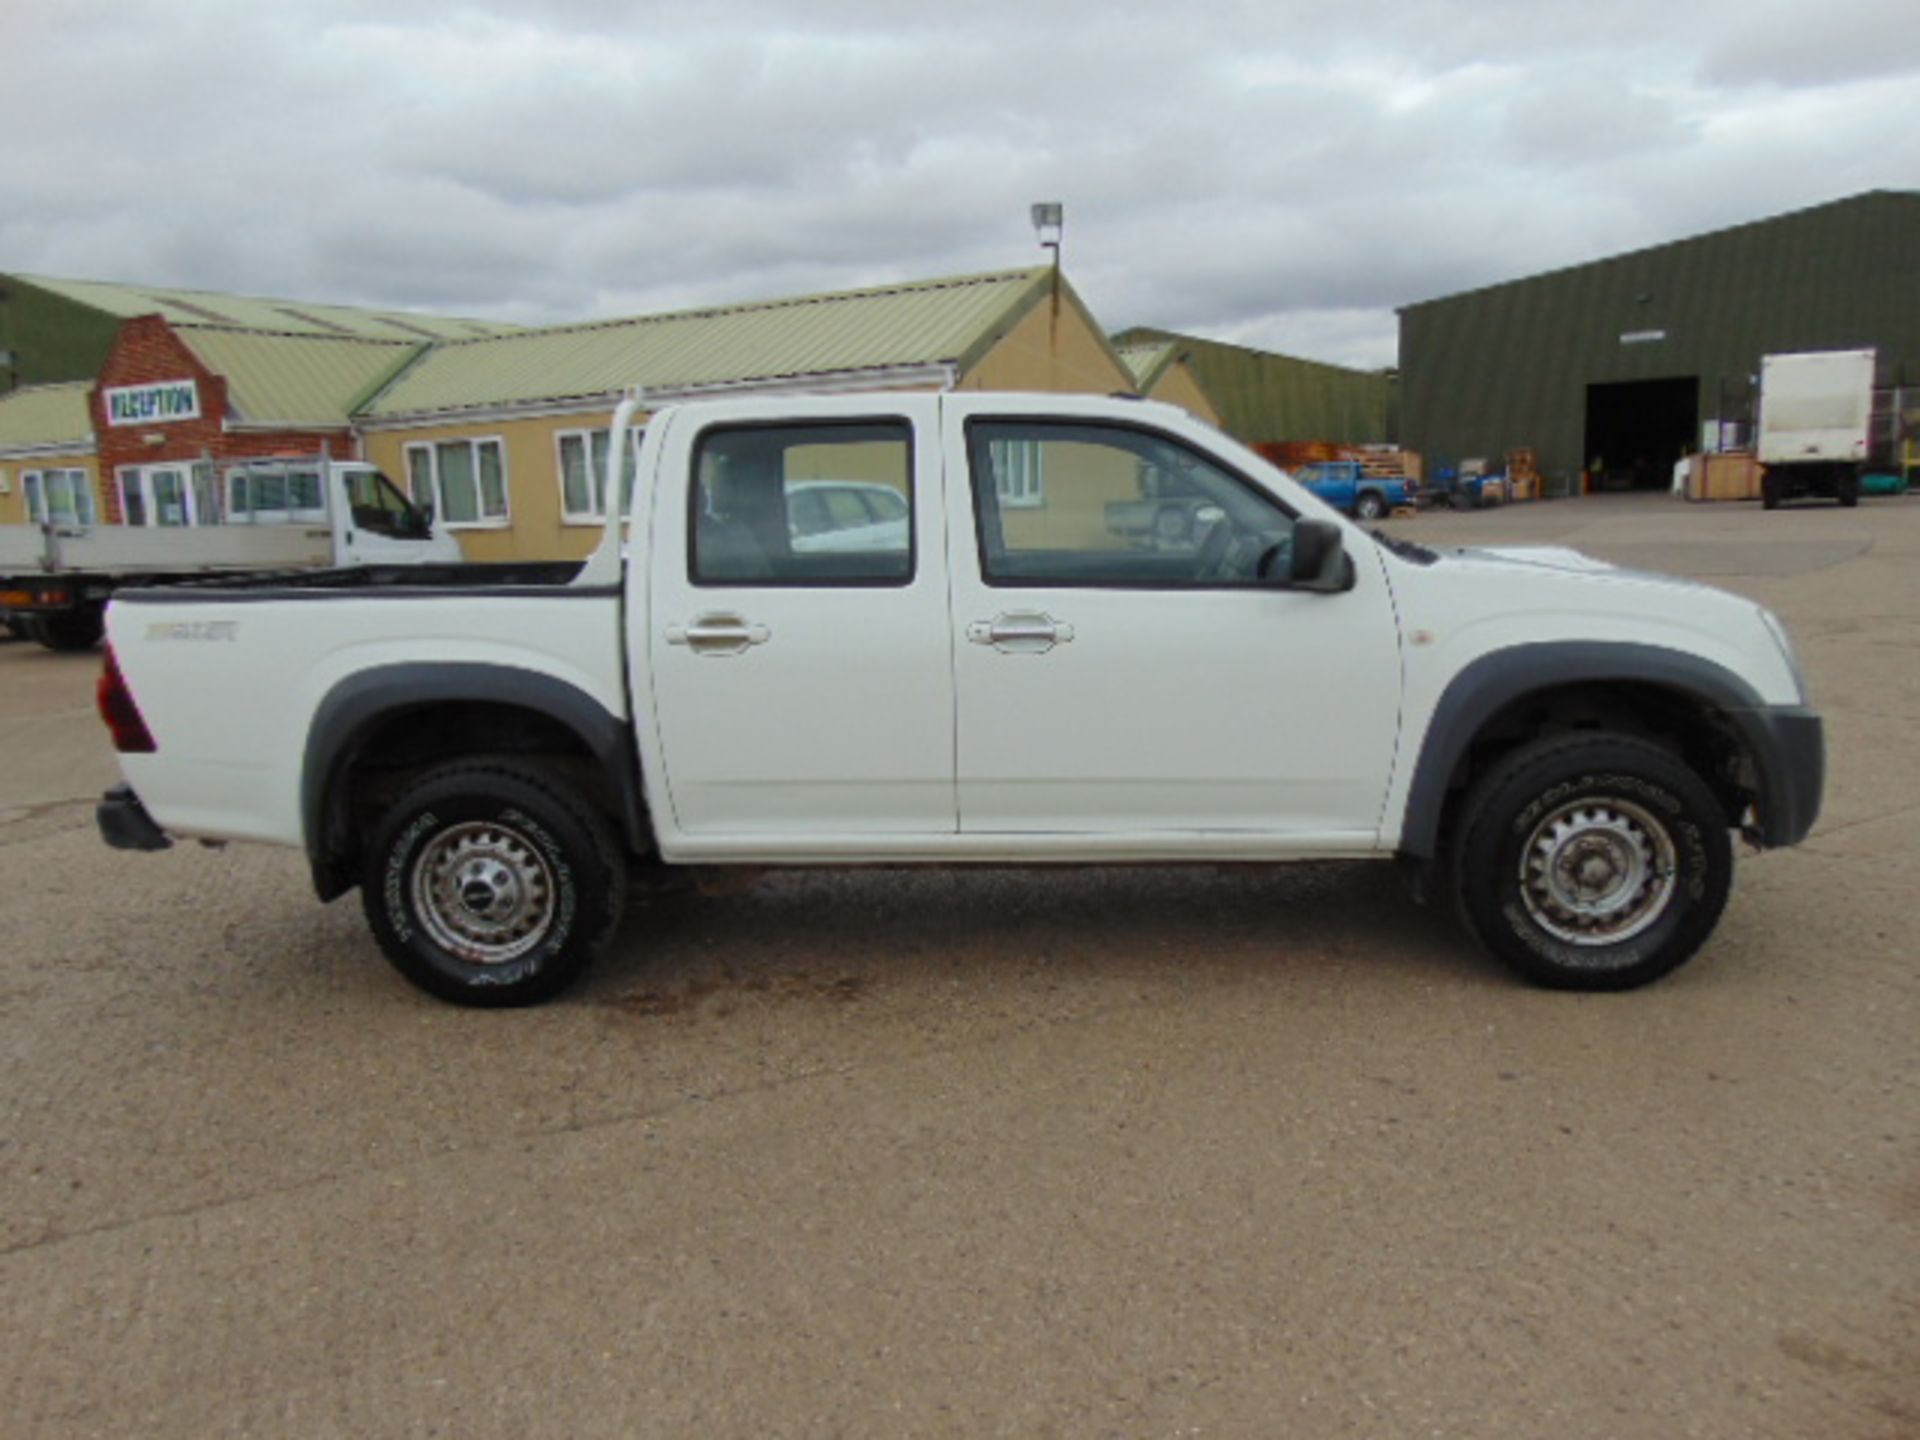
x,y
484,892
1597,871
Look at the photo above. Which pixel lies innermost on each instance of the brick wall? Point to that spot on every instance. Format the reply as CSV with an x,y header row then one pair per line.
x,y
147,351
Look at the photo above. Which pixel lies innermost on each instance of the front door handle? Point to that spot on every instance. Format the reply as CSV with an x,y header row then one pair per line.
x,y
718,635
1021,632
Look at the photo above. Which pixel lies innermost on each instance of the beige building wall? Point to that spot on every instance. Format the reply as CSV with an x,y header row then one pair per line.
x,y
1063,352
536,526
1081,481
1179,387
13,504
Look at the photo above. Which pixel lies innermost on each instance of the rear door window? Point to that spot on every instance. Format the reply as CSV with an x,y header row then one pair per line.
x,y
826,504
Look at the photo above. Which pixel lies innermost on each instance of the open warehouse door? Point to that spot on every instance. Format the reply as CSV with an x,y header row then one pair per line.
x,y
1636,429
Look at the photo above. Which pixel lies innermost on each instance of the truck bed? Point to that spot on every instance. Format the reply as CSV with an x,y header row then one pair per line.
x,y
119,550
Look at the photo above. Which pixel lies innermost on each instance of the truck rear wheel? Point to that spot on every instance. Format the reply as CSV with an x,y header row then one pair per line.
x,y
1592,862
493,883
70,629
1371,505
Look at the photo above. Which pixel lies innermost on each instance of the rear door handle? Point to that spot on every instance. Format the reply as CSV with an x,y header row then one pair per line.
x,y
1023,632
718,635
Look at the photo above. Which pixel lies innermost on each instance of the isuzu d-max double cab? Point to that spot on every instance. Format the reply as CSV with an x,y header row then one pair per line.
x,y
995,674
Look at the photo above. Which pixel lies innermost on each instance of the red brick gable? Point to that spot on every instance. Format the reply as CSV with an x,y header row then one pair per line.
x,y
146,351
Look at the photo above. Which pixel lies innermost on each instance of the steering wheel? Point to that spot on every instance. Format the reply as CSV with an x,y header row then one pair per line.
x,y
1276,555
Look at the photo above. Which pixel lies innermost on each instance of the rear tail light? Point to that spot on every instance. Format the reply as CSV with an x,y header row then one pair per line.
x,y
122,716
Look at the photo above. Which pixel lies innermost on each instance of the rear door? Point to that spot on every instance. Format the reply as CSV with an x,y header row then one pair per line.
x,y
1127,679
802,670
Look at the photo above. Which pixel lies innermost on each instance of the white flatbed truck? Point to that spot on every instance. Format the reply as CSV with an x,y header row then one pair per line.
x,y
275,515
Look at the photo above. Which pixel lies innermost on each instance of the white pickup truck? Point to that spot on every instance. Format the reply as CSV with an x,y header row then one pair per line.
x,y
487,751
179,522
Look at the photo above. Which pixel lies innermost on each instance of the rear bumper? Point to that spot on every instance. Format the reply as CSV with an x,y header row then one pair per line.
x,y
125,824
1789,748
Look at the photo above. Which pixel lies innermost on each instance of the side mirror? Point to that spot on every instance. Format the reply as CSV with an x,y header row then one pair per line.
x,y
425,515
1320,562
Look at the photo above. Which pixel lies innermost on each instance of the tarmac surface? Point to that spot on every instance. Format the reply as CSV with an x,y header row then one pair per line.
x,y
1127,1152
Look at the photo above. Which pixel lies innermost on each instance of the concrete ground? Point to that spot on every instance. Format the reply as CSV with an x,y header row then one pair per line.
x,y
1110,1152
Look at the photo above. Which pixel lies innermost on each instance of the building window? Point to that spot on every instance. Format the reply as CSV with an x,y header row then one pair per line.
x,y
583,474
464,480
58,497
1019,473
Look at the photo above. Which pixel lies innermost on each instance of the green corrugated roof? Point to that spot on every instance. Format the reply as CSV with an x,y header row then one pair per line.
x,y
46,415
296,379
1262,396
290,317
928,322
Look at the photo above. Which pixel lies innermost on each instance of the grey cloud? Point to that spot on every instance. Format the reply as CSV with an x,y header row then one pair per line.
x,y
1280,173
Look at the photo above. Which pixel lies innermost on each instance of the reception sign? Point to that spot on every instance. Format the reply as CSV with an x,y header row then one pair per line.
x,y
156,404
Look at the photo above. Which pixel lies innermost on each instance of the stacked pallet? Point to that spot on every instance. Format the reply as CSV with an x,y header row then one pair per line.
x,y
1731,475
1523,475
1388,461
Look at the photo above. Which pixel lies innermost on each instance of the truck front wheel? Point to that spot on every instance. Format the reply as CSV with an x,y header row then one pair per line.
x,y
1592,862
492,883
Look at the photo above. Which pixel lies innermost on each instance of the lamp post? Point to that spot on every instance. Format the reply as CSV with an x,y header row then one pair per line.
x,y
1049,225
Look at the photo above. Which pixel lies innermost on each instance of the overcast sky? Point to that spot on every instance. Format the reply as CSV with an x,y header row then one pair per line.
x,y
1280,174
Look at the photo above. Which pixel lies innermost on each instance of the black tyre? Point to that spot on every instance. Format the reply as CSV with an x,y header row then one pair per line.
x,y
493,883
1370,506
70,629
1771,492
1592,862
1847,489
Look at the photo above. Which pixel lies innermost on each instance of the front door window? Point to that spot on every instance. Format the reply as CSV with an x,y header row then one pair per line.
x,y
1103,505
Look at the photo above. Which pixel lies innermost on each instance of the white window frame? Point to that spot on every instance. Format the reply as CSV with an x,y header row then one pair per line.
x,y
1019,474
33,487
143,479
597,515
431,448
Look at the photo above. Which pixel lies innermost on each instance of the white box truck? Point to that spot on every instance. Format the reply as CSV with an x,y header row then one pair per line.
x,y
1815,409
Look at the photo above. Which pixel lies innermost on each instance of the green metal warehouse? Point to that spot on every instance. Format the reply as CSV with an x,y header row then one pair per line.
x,y
1632,360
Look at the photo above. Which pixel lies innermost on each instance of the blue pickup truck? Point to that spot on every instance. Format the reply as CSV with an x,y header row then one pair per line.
x,y
1345,486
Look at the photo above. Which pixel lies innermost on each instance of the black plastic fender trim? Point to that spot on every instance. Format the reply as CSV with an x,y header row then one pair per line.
x,y
350,711
1494,681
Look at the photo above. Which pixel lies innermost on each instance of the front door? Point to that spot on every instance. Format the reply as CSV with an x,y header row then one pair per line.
x,y
159,495
1123,668
796,633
